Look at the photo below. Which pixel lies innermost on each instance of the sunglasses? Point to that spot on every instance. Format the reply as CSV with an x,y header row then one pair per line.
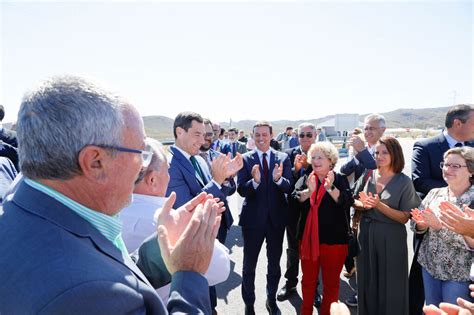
x,y
308,135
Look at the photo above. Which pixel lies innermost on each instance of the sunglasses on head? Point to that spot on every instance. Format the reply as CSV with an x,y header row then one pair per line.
x,y
308,135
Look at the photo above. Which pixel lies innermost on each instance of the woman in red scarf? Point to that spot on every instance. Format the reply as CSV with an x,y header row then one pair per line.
x,y
323,228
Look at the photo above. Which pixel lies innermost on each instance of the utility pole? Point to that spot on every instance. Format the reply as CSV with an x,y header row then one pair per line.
x,y
455,93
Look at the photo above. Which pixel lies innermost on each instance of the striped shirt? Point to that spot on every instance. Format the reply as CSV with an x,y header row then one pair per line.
x,y
109,226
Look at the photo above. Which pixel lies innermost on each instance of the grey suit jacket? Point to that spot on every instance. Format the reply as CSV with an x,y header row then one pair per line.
x,y
55,262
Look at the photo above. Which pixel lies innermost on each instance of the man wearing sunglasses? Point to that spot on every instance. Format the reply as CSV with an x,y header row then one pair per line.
x,y
299,167
426,175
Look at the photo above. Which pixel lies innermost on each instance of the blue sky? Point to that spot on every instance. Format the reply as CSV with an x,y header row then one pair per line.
x,y
246,60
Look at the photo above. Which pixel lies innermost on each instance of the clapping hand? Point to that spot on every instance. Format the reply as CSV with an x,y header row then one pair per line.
x,y
369,201
357,143
430,218
418,218
256,173
193,249
301,161
311,183
329,180
277,172
176,221
456,220
235,164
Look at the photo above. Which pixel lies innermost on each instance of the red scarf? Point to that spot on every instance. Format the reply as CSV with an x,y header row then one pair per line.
x,y
310,242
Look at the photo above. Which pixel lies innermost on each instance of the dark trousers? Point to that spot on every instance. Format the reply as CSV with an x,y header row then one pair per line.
x,y
415,280
253,240
292,257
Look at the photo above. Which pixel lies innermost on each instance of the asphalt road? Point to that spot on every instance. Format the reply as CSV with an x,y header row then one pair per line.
x,y
229,292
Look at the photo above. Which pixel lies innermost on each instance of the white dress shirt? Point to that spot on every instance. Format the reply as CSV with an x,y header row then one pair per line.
x,y
139,223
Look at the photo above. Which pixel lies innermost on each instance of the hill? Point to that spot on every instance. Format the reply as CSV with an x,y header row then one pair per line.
x,y
161,127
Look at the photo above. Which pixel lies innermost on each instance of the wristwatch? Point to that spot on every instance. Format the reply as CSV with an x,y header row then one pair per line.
x,y
330,189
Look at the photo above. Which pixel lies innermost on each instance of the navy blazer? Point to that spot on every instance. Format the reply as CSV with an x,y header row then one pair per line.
x,y
55,262
184,183
366,161
268,201
425,170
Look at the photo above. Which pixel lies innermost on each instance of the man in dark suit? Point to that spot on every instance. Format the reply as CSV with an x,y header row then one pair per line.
x,y
62,251
234,146
427,174
190,174
299,167
263,182
227,188
7,136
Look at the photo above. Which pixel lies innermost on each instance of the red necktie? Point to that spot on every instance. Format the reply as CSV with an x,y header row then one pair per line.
x,y
265,166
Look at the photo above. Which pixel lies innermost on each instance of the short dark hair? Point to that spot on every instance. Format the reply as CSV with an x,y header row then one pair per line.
x,y
185,121
233,129
207,121
289,128
397,161
263,124
222,131
2,112
460,112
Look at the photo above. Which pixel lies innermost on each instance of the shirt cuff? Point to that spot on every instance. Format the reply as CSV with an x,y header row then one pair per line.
x,y
255,184
218,186
279,181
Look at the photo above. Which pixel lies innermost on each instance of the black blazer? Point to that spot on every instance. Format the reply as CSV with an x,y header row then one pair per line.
x,y
332,216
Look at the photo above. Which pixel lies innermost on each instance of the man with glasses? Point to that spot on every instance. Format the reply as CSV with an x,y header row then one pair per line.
x,y
299,167
189,172
426,175
63,252
363,159
228,187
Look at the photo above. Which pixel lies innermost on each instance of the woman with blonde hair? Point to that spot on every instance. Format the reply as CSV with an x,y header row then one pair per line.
x,y
322,228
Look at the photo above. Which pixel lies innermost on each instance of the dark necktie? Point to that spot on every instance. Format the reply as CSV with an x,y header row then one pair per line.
x,y
459,144
234,148
198,170
265,165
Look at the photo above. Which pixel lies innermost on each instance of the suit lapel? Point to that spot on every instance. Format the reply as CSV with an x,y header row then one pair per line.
x,y
42,205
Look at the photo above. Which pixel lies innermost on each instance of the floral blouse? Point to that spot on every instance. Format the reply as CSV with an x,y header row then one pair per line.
x,y
443,253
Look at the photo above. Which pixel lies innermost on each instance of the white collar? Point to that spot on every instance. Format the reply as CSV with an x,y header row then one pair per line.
x,y
451,141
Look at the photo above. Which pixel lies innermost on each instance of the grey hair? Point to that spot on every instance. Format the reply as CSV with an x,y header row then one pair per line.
x,y
376,117
58,119
307,124
158,159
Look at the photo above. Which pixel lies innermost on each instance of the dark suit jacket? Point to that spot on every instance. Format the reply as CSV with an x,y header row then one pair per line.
x,y
240,148
294,205
9,136
184,183
425,171
9,152
366,161
268,201
55,262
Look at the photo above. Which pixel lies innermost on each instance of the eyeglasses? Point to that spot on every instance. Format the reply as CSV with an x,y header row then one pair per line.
x,y
308,135
371,128
451,165
145,155
208,135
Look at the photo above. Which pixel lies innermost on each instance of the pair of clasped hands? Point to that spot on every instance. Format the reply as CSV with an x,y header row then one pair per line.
x,y
370,200
450,217
186,235
224,167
